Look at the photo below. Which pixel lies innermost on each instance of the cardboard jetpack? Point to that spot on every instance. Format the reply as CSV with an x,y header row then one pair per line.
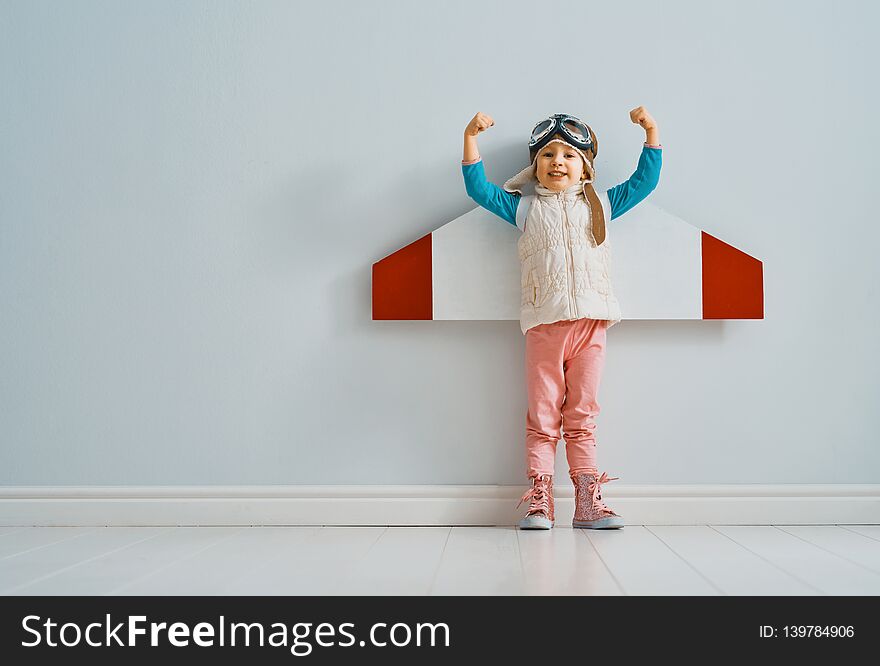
x,y
661,268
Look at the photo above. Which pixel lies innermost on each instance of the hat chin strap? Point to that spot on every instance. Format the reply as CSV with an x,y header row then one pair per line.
x,y
597,213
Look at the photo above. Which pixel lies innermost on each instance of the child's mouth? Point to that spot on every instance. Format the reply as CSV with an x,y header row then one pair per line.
x,y
556,175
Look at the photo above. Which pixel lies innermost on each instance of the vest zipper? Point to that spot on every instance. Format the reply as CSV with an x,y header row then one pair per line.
x,y
572,304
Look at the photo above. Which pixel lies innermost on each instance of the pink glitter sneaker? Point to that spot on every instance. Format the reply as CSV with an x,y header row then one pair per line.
x,y
540,514
589,510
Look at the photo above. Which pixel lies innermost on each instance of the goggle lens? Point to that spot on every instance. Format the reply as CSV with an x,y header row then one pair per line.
x,y
577,130
541,130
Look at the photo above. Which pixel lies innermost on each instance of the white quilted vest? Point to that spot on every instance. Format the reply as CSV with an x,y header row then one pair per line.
x,y
565,275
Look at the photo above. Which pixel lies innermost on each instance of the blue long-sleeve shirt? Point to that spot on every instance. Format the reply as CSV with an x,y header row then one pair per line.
x,y
622,197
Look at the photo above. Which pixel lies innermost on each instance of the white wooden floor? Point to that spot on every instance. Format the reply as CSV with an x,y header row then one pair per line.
x,y
637,560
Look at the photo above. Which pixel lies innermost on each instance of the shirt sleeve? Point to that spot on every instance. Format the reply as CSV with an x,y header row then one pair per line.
x,y
640,184
488,195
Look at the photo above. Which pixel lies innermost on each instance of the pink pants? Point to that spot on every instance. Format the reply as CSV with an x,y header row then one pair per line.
x,y
564,362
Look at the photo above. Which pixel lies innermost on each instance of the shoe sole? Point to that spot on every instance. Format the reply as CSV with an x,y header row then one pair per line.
x,y
611,523
535,524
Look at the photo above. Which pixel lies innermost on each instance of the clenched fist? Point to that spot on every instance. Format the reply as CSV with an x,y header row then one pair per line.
x,y
479,123
640,116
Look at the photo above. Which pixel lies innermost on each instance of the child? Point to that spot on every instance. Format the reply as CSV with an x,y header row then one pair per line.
x,y
567,302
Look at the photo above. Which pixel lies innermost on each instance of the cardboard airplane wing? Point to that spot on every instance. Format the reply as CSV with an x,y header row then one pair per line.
x,y
661,268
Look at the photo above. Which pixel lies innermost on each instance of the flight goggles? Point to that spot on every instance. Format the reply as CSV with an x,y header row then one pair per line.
x,y
573,129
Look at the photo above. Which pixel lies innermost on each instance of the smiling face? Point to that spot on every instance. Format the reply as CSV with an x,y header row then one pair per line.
x,y
559,166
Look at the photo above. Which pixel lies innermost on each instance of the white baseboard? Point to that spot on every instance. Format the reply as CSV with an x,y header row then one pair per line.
x,y
428,505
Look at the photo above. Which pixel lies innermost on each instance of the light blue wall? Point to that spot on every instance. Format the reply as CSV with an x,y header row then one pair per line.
x,y
192,195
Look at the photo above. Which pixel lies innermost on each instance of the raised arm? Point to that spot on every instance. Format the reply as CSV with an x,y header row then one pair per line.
x,y
640,116
486,194
625,196
479,123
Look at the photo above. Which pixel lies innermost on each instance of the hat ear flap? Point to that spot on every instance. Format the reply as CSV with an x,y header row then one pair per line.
x,y
595,149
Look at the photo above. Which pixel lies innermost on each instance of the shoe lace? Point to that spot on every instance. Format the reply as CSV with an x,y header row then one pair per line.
x,y
595,490
539,494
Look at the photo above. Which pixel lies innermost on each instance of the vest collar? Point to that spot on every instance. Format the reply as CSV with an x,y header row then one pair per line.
x,y
526,180
568,193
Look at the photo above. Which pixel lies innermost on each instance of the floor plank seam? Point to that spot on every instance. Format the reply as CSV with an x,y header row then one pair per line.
x,y
620,587
46,545
440,562
830,552
772,564
375,541
115,591
77,564
691,566
859,533
522,568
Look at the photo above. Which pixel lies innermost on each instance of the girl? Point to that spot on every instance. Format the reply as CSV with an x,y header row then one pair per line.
x,y
567,300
